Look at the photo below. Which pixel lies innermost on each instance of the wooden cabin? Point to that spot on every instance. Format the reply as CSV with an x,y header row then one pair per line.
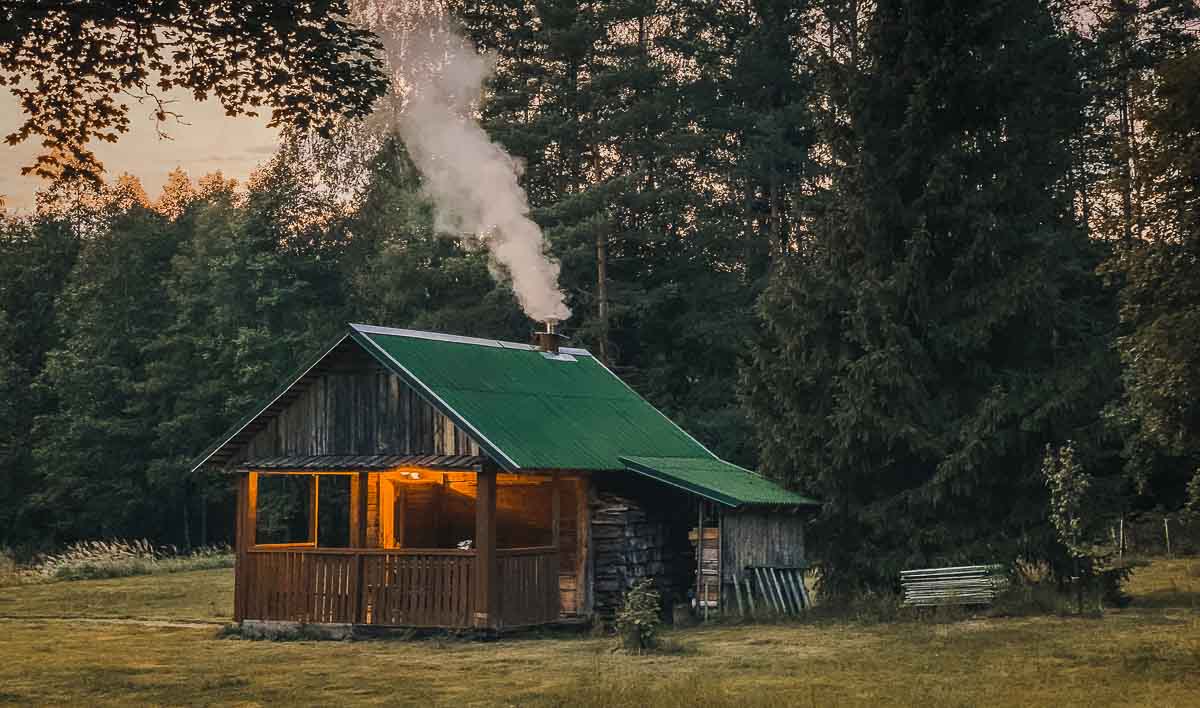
x,y
415,479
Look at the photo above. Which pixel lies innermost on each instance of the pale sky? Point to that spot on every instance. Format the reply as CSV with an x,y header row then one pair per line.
x,y
211,141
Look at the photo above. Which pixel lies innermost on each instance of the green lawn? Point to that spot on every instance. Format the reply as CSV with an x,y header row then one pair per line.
x,y
1146,655
200,595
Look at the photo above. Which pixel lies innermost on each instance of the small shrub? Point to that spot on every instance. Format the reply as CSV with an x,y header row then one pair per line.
x,y
638,620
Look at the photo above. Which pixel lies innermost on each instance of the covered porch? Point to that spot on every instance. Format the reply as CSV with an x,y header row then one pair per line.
x,y
428,541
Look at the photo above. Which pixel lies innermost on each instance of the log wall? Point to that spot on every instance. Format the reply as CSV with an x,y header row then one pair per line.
x,y
356,407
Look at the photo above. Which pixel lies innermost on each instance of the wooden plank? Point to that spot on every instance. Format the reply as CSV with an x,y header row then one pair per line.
x,y
583,531
418,590
356,506
720,548
768,599
314,506
555,514
788,590
465,590
701,600
773,576
369,589
360,481
407,585
487,596
737,592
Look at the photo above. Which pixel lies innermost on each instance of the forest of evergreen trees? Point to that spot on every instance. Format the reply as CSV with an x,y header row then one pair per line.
x,y
887,252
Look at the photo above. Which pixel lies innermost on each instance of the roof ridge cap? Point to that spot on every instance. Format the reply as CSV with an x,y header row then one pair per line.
x,y
455,338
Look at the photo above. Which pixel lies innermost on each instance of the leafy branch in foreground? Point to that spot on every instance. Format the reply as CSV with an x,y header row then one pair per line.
x,y
73,65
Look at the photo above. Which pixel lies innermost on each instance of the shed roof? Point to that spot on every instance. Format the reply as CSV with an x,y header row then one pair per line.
x,y
717,480
532,410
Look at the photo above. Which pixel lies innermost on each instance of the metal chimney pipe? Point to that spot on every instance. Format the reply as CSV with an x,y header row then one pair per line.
x,y
548,338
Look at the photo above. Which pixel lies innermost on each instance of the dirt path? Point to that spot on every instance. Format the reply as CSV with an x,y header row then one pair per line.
x,y
170,624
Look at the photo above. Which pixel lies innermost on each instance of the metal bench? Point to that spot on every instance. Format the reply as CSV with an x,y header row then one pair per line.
x,y
962,585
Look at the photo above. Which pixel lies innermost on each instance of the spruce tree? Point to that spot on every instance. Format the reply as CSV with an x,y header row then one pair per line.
x,y
941,322
1160,298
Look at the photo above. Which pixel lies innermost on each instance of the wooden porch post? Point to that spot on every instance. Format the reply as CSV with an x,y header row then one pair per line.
x,y
244,535
358,494
358,519
555,511
583,519
314,507
239,559
700,587
487,596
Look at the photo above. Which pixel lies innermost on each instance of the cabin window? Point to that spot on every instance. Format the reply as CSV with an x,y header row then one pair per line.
x,y
304,509
284,512
524,511
333,511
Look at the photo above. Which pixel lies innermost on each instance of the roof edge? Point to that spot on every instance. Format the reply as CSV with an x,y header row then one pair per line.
x,y
647,471
699,491
204,457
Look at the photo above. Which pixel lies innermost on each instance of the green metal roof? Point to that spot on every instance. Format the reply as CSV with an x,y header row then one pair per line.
x,y
528,409
531,410
715,479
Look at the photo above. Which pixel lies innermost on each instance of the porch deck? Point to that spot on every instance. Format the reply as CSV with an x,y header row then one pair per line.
x,y
370,577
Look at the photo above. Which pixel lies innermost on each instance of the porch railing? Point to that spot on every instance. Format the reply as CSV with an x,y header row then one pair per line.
x,y
299,585
417,588
395,587
528,579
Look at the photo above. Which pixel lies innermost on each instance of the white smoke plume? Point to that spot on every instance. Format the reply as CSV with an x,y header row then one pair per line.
x,y
471,180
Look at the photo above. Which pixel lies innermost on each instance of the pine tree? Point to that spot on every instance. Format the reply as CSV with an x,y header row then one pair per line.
x,y
399,272
592,98
1160,297
940,323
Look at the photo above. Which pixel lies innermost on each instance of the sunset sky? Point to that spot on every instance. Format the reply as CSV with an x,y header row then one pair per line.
x,y
211,141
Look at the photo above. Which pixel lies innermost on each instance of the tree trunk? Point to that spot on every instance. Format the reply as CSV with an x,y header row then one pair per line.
x,y
203,519
187,521
602,290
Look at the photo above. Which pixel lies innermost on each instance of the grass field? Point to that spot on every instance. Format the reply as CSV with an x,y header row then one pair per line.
x,y
1145,655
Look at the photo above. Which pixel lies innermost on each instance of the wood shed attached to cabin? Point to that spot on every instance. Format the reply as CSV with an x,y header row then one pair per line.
x,y
409,478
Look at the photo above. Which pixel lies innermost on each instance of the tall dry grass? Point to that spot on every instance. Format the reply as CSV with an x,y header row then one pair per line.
x,y
9,573
116,558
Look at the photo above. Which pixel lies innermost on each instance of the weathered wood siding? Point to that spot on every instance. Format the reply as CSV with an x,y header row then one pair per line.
x,y
757,537
354,406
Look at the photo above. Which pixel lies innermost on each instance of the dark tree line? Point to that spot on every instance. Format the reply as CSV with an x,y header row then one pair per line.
x,y
888,252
